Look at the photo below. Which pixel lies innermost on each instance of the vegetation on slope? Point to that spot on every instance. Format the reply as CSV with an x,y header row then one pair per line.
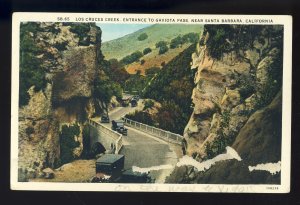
x,y
172,86
31,71
68,143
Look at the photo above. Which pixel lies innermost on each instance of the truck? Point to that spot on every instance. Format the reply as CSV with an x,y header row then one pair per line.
x,y
110,169
118,125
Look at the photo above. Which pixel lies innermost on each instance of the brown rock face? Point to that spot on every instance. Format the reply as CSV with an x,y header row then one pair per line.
x,y
262,132
237,102
71,61
79,72
229,87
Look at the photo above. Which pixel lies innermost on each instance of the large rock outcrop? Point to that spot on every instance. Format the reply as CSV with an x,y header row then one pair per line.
x,y
70,56
238,74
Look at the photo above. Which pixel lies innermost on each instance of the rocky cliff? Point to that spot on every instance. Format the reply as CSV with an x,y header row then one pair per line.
x,y
58,65
237,103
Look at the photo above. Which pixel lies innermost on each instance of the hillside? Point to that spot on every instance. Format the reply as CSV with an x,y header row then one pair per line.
x,y
172,87
153,59
128,44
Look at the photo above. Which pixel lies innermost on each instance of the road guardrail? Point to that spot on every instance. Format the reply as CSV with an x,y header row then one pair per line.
x,y
118,138
154,131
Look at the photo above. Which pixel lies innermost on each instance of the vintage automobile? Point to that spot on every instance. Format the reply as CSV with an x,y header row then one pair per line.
x,y
118,125
128,176
133,103
105,118
136,97
109,167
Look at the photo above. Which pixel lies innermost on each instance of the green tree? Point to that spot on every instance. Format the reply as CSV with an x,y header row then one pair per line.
x,y
31,71
175,42
190,38
163,49
142,37
142,117
160,44
169,117
115,70
132,57
147,50
148,104
67,142
104,89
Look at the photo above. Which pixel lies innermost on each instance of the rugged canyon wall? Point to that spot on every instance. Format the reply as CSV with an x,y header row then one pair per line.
x,y
68,57
237,103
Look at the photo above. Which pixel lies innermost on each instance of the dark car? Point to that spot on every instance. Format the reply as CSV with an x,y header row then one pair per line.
x,y
136,97
124,103
133,103
118,125
105,118
129,176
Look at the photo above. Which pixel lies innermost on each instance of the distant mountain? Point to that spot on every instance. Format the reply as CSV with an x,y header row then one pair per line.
x,y
128,44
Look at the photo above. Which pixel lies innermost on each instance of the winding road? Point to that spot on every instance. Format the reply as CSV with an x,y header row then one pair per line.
x,y
143,150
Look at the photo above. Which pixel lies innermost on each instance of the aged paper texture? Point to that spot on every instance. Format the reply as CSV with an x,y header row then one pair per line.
x,y
151,102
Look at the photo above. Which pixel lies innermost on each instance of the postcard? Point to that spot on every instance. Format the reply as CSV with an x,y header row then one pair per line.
x,y
151,102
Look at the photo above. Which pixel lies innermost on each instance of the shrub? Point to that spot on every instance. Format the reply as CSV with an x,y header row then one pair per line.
x,y
86,142
142,37
81,29
31,71
175,42
225,119
160,44
147,50
142,117
135,82
218,146
169,117
115,70
61,46
190,37
132,57
29,130
274,82
142,62
246,86
68,143
104,89
163,49
148,104
152,70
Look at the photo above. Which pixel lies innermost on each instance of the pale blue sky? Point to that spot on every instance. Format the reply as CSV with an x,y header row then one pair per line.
x,y
113,31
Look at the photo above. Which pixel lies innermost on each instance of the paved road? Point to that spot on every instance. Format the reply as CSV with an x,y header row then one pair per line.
x,y
143,150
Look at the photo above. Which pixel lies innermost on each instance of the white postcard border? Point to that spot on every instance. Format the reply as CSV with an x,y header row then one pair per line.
x,y
284,187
